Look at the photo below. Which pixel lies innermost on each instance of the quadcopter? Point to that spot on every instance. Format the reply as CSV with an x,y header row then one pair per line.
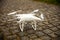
x,y
23,18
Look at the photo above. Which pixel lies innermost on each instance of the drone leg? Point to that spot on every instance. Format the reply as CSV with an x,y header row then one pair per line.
x,y
22,27
35,25
32,25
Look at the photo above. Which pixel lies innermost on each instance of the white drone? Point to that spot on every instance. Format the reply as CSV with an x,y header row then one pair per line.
x,y
26,18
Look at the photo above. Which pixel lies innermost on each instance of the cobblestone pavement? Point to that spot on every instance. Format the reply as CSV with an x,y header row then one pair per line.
x,y
46,30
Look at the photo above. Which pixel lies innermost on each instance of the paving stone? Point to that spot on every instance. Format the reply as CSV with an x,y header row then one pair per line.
x,y
30,31
58,33
13,27
15,31
46,22
22,34
45,38
25,38
45,27
30,39
58,38
54,29
58,27
18,38
56,20
47,31
11,37
54,23
40,24
27,27
53,35
37,39
39,33
7,34
50,25
32,36
5,31
39,28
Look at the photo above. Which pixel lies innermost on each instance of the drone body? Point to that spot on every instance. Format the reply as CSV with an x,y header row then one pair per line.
x,y
27,17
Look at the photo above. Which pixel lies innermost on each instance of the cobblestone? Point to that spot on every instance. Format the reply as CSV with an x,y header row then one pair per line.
x,y
11,37
30,31
58,27
39,33
22,34
32,36
50,25
58,33
45,38
24,38
53,35
39,28
14,31
49,29
45,27
57,38
54,29
37,39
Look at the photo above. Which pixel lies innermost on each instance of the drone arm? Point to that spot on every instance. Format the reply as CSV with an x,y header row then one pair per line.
x,y
14,12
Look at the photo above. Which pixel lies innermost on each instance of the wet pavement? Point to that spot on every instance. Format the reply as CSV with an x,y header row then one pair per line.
x,y
49,29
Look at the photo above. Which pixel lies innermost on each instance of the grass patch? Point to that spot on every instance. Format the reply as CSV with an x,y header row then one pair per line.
x,y
50,1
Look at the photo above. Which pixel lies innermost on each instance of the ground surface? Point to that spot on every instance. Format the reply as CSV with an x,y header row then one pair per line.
x,y
46,30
